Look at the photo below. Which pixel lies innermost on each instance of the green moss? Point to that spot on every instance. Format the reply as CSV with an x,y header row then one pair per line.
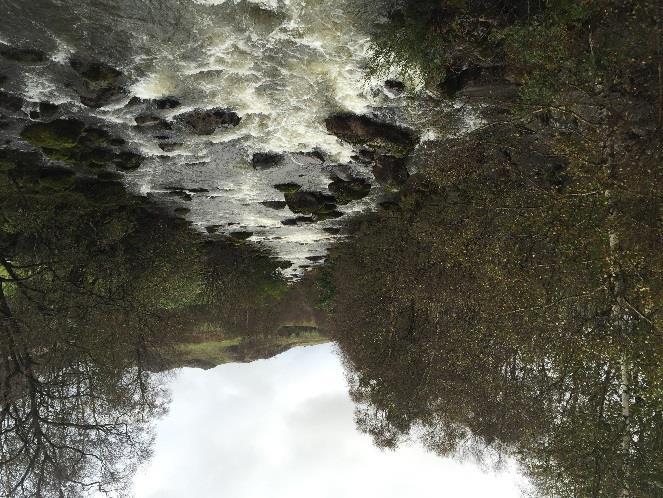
x,y
58,134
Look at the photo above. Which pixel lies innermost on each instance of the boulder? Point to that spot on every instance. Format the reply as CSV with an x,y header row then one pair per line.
x,y
128,161
390,170
169,146
364,130
167,103
207,121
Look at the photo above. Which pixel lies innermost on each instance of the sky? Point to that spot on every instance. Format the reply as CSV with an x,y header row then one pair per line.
x,y
284,427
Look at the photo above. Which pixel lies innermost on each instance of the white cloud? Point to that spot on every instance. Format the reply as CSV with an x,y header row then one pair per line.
x,y
284,428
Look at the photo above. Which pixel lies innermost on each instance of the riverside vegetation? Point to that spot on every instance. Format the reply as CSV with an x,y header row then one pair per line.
x,y
509,301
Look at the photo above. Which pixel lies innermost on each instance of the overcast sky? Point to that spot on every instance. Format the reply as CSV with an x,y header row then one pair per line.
x,y
284,428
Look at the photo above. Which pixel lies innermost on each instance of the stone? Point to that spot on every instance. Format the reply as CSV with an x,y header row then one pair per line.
x,y
266,160
207,121
364,130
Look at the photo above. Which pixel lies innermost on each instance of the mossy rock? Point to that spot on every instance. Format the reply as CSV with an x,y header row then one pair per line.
x,y
96,136
58,134
288,188
310,202
96,157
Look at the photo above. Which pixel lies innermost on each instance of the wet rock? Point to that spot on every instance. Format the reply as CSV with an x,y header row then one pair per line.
x,y
212,228
390,171
309,202
346,191
149,120
287,188
266,160
117,142
241,235
24,55
10,102
21,162
363,130
3,79
167,103
198,190
394,88
134,101
58,134
128,161
96,157
182,194
100,83
207,121
314,157
274,204
169,146
181,210
332,230
315,258
298,220
47,110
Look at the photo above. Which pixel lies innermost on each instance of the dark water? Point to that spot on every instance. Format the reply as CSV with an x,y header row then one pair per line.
x,y
208,290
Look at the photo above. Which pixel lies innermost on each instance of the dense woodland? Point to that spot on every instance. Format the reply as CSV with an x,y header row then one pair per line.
x,y
510,300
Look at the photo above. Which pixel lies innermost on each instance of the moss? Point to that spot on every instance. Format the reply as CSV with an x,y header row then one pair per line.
x,y
58,134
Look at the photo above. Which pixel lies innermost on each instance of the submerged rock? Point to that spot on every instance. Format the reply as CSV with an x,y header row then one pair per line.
x,y
266,160
363,130
169,146
24,55
207,121
241,235
167,103
128,161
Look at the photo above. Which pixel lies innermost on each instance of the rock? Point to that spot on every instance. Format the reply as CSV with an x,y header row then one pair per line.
x,y
167,103
134,101
47,110
287,188
274,204
24,55
390,171
241,235
58,134
315,258
346,191
207,121
101,84
457,78
266,160
55,177
128,161
169,146
332,230
181,211
310,202
10,102
198,190
212,228
314,157
182,194
394,88
109,176
363,130
150,120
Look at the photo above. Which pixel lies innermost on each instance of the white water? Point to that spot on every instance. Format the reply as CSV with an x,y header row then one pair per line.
x,y
282,65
